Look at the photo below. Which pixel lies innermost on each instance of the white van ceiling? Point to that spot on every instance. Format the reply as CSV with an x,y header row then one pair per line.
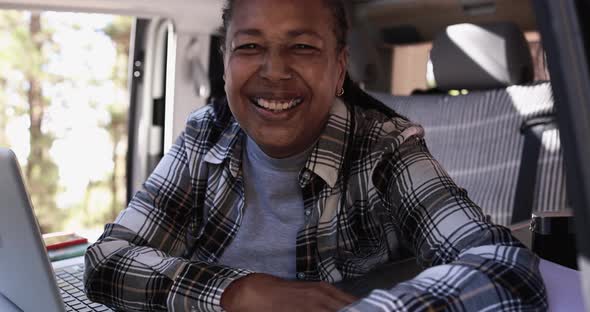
x,y
427,16
430,16
188,15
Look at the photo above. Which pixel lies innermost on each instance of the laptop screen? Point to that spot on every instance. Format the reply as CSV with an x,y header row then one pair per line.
x,y
25,270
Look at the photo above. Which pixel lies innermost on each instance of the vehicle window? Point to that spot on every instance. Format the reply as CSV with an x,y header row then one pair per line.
x,y
411,71
64,111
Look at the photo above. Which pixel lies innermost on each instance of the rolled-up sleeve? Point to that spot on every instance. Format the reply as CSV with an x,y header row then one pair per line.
x,y
473,265
139,262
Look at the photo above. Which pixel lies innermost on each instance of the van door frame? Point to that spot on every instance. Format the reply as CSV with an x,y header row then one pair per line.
x,y
564,34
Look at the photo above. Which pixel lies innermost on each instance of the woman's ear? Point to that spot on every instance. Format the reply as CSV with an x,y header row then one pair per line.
x,y
342,67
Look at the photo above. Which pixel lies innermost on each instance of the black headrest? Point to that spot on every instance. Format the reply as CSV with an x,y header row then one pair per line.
x,y
476,57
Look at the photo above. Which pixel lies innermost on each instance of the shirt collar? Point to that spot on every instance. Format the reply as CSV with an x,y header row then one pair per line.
x,y
228,146
326,157
329,152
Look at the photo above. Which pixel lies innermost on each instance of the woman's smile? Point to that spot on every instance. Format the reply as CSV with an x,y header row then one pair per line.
x,y
282,72
276,105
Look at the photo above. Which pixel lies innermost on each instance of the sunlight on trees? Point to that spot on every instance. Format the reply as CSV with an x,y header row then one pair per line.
x,y
63,110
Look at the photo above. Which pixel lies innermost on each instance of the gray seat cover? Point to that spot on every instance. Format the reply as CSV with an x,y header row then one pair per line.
x,y
476,138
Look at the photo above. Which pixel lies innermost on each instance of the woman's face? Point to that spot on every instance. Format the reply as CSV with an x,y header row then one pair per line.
x,y
282,71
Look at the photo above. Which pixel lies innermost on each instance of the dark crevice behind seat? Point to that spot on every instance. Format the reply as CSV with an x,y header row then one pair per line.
x,y
477,137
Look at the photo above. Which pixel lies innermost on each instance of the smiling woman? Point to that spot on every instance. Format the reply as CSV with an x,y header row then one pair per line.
x,y
282,72
297,180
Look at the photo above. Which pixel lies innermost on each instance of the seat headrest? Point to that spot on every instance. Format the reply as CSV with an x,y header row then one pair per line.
x,y
476,57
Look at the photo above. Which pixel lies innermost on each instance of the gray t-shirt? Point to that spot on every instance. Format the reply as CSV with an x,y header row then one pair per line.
x,y
273,214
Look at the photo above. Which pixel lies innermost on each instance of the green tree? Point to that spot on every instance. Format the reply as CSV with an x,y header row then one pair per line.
x,y
27,48
7,21
119,30
26,55
41,172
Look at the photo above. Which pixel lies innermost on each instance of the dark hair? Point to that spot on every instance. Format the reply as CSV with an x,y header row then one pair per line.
x,y
336,6
353,94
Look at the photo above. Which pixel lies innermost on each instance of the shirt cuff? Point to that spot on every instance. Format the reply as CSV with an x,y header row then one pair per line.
x,y
199,286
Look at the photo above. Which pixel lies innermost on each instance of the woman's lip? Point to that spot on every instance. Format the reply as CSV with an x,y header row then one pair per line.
x,y
277,97
275,115
260,101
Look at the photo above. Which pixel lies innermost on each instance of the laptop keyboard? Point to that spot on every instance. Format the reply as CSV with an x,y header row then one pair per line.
x,y
69,281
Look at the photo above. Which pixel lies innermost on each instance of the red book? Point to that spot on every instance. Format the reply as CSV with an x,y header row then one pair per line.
x,y
60,240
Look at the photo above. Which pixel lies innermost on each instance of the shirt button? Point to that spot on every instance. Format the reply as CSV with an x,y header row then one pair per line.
x,y
306,175
307,212
301,275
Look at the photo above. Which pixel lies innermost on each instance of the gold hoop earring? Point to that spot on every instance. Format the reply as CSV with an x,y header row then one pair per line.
x,y
341,92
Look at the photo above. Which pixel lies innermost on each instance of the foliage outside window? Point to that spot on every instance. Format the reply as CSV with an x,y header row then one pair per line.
x,y
63,110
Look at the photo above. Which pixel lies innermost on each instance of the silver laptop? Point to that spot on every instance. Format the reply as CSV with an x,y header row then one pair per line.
x,y
28,281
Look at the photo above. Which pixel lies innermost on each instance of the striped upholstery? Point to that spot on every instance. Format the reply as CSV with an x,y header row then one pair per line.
x,y
476,137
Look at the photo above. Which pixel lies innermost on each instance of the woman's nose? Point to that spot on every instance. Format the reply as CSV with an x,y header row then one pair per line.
x,y
275,67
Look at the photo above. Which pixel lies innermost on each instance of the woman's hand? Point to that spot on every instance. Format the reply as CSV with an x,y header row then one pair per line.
x,y
263,292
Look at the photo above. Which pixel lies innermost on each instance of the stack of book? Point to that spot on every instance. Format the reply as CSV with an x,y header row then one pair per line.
x,y
64,245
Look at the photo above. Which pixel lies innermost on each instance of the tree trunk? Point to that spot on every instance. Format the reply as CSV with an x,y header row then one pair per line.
x,y
41,172
34,97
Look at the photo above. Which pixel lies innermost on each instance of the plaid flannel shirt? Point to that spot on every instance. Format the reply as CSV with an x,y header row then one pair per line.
x,y
161,251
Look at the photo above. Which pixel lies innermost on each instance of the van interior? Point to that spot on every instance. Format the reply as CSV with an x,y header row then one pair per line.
x,y
500,86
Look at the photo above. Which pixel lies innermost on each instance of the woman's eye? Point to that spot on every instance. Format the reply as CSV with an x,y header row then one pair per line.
x,y
247,48
301,48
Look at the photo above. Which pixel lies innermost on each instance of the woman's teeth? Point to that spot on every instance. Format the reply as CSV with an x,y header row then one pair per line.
x,y
277,106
